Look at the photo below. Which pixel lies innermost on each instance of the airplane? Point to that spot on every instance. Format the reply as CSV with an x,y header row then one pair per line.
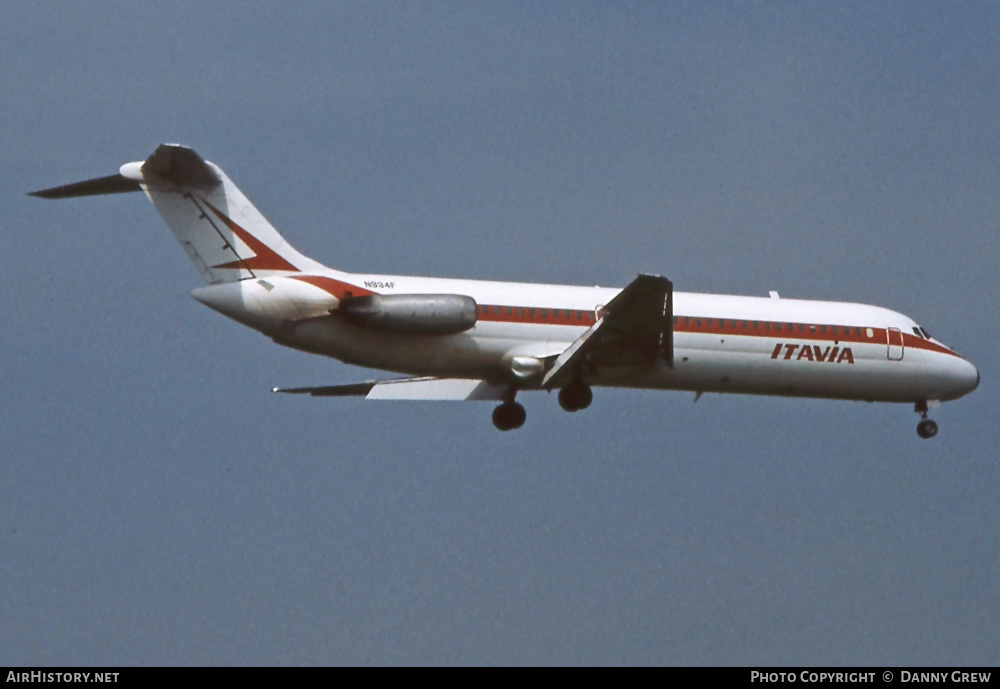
x,y
478,340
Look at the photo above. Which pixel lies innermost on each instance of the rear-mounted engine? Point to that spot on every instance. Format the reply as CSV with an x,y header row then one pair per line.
x,y
426,314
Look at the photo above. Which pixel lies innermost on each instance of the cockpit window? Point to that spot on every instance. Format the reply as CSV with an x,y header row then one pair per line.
x,y
926,334
916,331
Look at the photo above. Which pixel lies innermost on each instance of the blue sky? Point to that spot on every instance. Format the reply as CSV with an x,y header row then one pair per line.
x,y
159,506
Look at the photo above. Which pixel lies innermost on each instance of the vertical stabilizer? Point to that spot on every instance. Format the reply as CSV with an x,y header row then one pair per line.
x,y
224,235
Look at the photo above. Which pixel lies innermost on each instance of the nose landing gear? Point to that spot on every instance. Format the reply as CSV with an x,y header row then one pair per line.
x,y
926,428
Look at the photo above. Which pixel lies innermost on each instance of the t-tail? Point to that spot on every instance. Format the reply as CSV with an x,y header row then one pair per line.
x,y
223,234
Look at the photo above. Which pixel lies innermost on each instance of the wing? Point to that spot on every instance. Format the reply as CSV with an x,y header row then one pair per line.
x,y
409,389
635,329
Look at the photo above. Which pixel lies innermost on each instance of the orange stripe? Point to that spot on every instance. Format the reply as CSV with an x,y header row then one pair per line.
x,y
495,313
264,257
711,326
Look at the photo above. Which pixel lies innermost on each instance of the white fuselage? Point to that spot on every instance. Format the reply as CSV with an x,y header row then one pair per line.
x,y
721,343
471,339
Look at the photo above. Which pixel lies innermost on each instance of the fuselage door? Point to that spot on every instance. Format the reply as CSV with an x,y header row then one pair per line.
x,y
894,344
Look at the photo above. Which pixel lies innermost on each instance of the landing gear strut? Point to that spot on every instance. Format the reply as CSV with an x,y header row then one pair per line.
x,y
575,396
926,428
510,414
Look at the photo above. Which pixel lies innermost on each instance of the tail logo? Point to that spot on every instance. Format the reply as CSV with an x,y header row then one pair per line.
x,y
264,257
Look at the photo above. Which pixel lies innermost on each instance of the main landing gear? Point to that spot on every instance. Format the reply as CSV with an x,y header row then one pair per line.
x,y
510,415
926,428
575,396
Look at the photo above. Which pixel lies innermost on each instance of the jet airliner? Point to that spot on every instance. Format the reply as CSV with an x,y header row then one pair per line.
x,y
479,340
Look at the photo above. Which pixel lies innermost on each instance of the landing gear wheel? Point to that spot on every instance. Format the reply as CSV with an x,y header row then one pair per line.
x,y
927,429
508,416
575,397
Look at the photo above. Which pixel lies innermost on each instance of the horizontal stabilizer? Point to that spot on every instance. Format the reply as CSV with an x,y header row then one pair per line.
x,y
409,389
112,184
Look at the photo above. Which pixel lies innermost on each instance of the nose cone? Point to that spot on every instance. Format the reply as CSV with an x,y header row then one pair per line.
x,y
963,378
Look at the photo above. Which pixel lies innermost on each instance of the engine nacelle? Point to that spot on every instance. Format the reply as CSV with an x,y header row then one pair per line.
x,y
426,314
